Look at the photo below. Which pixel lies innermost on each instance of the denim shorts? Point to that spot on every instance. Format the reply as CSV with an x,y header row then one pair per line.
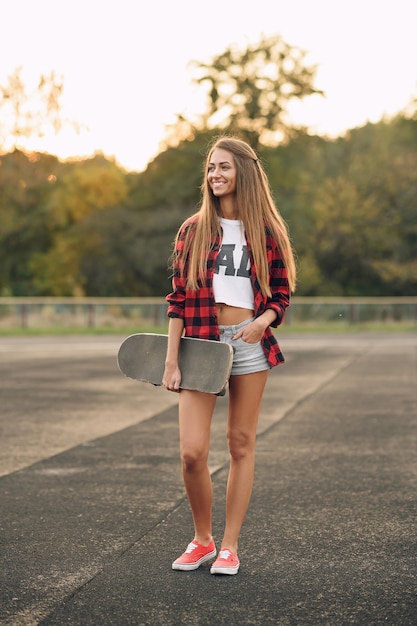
x,y
248,358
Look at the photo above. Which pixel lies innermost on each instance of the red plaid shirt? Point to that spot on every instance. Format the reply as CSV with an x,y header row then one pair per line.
x,y
198,308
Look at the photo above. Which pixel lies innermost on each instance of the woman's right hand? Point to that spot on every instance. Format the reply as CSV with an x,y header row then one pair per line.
x,y
171,379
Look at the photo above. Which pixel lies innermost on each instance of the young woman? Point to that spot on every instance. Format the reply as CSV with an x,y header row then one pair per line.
x,y
233,271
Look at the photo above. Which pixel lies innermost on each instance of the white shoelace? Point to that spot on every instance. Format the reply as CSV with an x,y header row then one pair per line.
x,y
190,548
224,554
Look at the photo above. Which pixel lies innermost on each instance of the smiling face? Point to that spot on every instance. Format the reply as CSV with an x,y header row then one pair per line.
x,y
221,173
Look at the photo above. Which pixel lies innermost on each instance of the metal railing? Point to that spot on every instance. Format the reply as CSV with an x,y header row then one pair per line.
x,y
118,313
353,310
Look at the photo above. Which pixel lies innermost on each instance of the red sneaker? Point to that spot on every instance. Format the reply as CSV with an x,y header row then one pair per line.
x,y
195,555
226,563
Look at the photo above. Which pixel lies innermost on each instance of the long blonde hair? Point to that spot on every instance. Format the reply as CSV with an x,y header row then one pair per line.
x,y
256,210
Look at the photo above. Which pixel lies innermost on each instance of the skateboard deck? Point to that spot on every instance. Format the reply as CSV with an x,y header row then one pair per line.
x,y
205,365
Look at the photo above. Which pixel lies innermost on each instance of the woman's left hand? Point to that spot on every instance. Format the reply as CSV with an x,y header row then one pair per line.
x,y
252,332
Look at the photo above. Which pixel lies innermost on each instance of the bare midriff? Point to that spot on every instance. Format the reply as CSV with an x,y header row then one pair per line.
x,y
231,315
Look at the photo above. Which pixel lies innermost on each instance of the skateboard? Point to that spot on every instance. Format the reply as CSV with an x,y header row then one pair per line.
x,y
205,365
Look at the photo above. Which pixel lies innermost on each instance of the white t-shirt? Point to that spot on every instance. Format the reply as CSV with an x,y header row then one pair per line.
x,y
231,281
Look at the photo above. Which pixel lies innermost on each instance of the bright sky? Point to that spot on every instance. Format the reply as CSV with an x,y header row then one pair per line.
x,y
125,62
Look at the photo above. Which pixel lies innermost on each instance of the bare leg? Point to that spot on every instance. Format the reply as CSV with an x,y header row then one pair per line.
x,y
245,399
195,414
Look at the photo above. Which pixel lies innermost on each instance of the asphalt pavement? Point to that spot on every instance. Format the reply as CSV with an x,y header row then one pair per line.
x,y
93,510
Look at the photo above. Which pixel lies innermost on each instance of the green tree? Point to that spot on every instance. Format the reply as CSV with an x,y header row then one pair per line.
x,y
365,212
296,170
344,233
127,253
84,190
395,262
27,113
249,90
25,184
85,187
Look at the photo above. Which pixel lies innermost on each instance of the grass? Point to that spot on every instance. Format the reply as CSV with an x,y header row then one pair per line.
x,y
78,330
329,327
324,327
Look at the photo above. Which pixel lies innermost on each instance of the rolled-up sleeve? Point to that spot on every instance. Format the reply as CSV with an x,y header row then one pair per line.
x,y
176,299
278,282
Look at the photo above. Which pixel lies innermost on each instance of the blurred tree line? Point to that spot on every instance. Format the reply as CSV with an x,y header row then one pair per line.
x,y
88,227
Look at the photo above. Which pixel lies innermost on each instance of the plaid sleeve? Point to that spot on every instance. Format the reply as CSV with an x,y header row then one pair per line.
x,y
176,299
278,282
